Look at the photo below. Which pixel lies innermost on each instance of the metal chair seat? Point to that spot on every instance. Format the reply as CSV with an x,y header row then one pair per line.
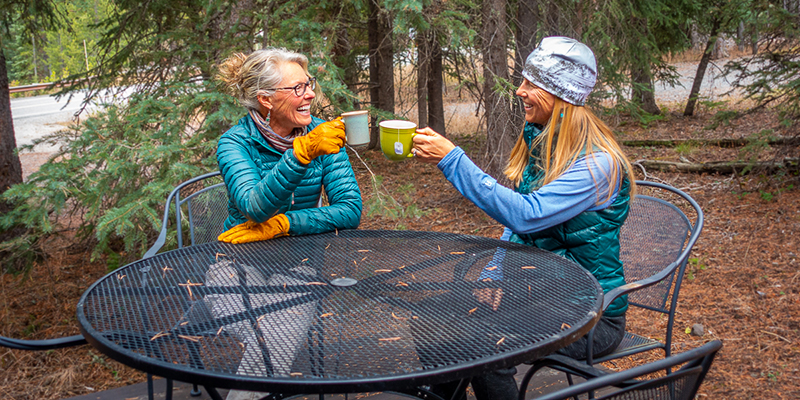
x,y
631,344
642,382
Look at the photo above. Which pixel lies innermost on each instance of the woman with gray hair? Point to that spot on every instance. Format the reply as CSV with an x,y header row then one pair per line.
x,y
572,188
276,160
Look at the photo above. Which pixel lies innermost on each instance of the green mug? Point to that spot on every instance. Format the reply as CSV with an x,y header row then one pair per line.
x,y
396,139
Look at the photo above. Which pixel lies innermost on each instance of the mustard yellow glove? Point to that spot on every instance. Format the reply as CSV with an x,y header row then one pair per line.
x,y
250,231
327,138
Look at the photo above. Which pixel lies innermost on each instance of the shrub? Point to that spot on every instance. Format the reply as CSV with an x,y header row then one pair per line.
x,y
116,169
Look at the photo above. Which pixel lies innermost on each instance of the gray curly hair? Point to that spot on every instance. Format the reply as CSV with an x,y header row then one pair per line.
x,y
247,76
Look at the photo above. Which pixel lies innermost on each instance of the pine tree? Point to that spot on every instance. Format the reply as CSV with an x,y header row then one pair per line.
x,y
31,16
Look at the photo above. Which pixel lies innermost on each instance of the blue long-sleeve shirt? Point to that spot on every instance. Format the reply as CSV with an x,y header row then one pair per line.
x,y
577,190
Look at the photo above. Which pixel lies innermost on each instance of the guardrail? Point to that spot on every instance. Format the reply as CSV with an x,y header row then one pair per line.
x,y
32,87
38,86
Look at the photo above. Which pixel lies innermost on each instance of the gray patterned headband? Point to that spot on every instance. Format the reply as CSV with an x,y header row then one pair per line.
x,y
564,67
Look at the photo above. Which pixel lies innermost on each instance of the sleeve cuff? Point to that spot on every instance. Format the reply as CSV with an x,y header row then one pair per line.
x,y
450,158
293,163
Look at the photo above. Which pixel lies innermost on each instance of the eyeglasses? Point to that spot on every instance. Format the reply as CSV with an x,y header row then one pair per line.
x,y
300,88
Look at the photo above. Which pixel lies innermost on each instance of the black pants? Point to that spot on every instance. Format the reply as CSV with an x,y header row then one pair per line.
x,y
501,385
494,385
608,333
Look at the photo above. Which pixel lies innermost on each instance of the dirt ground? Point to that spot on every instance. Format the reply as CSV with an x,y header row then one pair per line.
x,y
743,286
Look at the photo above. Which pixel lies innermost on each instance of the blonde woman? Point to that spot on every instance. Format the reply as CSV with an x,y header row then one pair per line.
x,y
572,185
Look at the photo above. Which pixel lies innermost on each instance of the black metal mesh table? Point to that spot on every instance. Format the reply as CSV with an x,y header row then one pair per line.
x,y
351,311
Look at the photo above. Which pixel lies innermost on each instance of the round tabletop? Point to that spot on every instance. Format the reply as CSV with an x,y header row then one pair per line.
x,y
347,311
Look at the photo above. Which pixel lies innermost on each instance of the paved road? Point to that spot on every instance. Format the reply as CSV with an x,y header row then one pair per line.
x,y
37,116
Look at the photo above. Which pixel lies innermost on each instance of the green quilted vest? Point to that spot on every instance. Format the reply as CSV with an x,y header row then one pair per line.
x,y
591,238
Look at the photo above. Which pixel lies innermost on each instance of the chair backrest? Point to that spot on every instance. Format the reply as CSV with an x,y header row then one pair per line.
x,y
200,207
656,234
679,385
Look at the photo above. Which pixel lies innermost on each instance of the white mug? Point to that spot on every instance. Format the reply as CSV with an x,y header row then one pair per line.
x,y
356,127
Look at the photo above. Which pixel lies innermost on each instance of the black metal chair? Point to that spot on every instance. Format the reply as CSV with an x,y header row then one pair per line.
x,y
200,206
681,384
655,242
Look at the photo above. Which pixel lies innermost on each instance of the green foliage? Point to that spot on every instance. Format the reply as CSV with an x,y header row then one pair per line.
x,y
382,203
101,360
117,168
631,36
724,117
643,118
711,105
695,265
770,76
33,325
19,252
686,148
756,145
28,23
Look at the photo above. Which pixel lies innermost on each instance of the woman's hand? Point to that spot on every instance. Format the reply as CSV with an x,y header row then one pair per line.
x,y
431,147
250,231
327,138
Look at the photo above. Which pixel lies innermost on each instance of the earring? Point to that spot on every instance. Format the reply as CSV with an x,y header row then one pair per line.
x,y
562,115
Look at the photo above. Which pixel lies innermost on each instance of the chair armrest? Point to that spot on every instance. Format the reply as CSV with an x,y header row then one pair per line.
x,y
642,283
568,365
575,367
20,344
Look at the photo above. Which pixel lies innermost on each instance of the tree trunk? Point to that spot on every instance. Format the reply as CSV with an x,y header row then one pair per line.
x,y
642,91
10,167
701,69
553,19
527,22
740,36
344,57
727,143
435,85
423,69
525,36
381,65
718,52
721,167
268,10
500,133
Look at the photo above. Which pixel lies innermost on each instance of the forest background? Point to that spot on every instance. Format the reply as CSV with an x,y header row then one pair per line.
x,y
398,59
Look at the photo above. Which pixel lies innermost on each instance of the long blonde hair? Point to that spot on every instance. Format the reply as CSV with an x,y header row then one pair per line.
x,y
577,132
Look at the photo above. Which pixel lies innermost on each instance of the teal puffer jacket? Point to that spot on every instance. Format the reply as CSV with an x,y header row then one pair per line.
x,y
263,182
591,238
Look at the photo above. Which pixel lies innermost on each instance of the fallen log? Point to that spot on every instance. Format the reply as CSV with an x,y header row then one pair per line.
x,y
721,167
740,142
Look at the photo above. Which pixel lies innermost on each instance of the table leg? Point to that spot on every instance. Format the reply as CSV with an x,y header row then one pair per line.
x,y
212,392
425,394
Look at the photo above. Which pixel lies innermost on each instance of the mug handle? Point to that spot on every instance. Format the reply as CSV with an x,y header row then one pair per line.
x,y
410,154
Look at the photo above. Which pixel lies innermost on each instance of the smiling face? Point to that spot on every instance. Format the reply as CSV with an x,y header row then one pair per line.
x,y
286,110
538,103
